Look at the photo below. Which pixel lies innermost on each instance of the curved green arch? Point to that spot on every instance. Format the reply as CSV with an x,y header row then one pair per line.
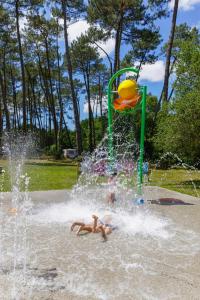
x,y
142,105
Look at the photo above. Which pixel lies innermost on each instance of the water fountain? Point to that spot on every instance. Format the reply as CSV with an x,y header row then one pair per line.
x,y
152,255
15,213
41,258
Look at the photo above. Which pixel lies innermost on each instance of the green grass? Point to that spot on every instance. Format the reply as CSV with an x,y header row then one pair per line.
x,y
180,180
44,175
52,175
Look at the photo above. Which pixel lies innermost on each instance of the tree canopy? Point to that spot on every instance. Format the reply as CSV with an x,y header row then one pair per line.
x,y
47,79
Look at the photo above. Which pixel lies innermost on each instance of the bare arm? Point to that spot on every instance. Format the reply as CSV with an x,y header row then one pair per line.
x,y
95,218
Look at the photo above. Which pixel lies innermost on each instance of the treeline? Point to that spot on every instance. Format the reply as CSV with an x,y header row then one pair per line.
x,y
178,122
45,77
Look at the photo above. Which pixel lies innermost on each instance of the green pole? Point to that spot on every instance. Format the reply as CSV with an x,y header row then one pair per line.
x,y
110,117
140,175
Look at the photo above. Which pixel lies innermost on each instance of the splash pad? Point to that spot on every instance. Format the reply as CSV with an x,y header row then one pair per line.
x,y
153,255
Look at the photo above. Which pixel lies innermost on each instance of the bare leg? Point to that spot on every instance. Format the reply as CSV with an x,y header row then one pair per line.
x,y
84,227
111,198
77,224
101,228
107,230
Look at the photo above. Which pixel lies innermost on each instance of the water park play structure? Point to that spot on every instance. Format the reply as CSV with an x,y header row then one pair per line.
x,y
131,98
154,254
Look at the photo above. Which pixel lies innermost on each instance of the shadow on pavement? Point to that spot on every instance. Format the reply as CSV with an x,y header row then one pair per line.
x,y
169,201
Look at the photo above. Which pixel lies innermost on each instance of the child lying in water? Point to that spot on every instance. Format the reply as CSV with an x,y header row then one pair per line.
x,y
103,226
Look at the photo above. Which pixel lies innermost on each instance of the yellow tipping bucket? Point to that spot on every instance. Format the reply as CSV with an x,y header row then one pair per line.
x,y
127,89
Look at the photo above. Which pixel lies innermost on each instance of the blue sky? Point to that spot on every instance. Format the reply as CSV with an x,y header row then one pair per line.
x,y
189,12
151,75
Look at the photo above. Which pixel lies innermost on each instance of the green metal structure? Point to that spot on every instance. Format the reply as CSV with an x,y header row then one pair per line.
x,y
141,105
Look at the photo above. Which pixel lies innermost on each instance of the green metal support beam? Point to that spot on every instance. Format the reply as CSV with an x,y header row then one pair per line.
x,y
142,134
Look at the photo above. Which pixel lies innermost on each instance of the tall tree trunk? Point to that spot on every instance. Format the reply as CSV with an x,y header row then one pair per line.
x,y
90,113
1,119
1,122
30,107
59,85
140,66
100,96
45,89
48,121
170,95
37,108
21,64
68,134
5,94
34,105
14,96
51,95
117,49
118,39
4,98
69,67
169,51
90,140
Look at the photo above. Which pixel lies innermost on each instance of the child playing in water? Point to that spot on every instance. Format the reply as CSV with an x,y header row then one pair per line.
x,y
145,170
111,198
103,226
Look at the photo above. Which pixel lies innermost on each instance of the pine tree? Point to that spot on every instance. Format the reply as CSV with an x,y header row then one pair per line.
x,y
121,18
69,11
85,59
169,50
17,8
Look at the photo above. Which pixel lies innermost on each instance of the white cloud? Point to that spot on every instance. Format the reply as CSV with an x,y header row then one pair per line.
x,y
76,29
85,107
185,4
95,105
23,23
107,46
80,27
153,72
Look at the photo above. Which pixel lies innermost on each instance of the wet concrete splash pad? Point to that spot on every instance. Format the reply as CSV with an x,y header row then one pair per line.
x,y
155,254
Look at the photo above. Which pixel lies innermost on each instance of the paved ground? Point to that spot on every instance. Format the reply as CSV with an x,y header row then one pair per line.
x,y
155,254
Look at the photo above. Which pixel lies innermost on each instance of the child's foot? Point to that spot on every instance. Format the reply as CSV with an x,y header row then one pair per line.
x,y
94,217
